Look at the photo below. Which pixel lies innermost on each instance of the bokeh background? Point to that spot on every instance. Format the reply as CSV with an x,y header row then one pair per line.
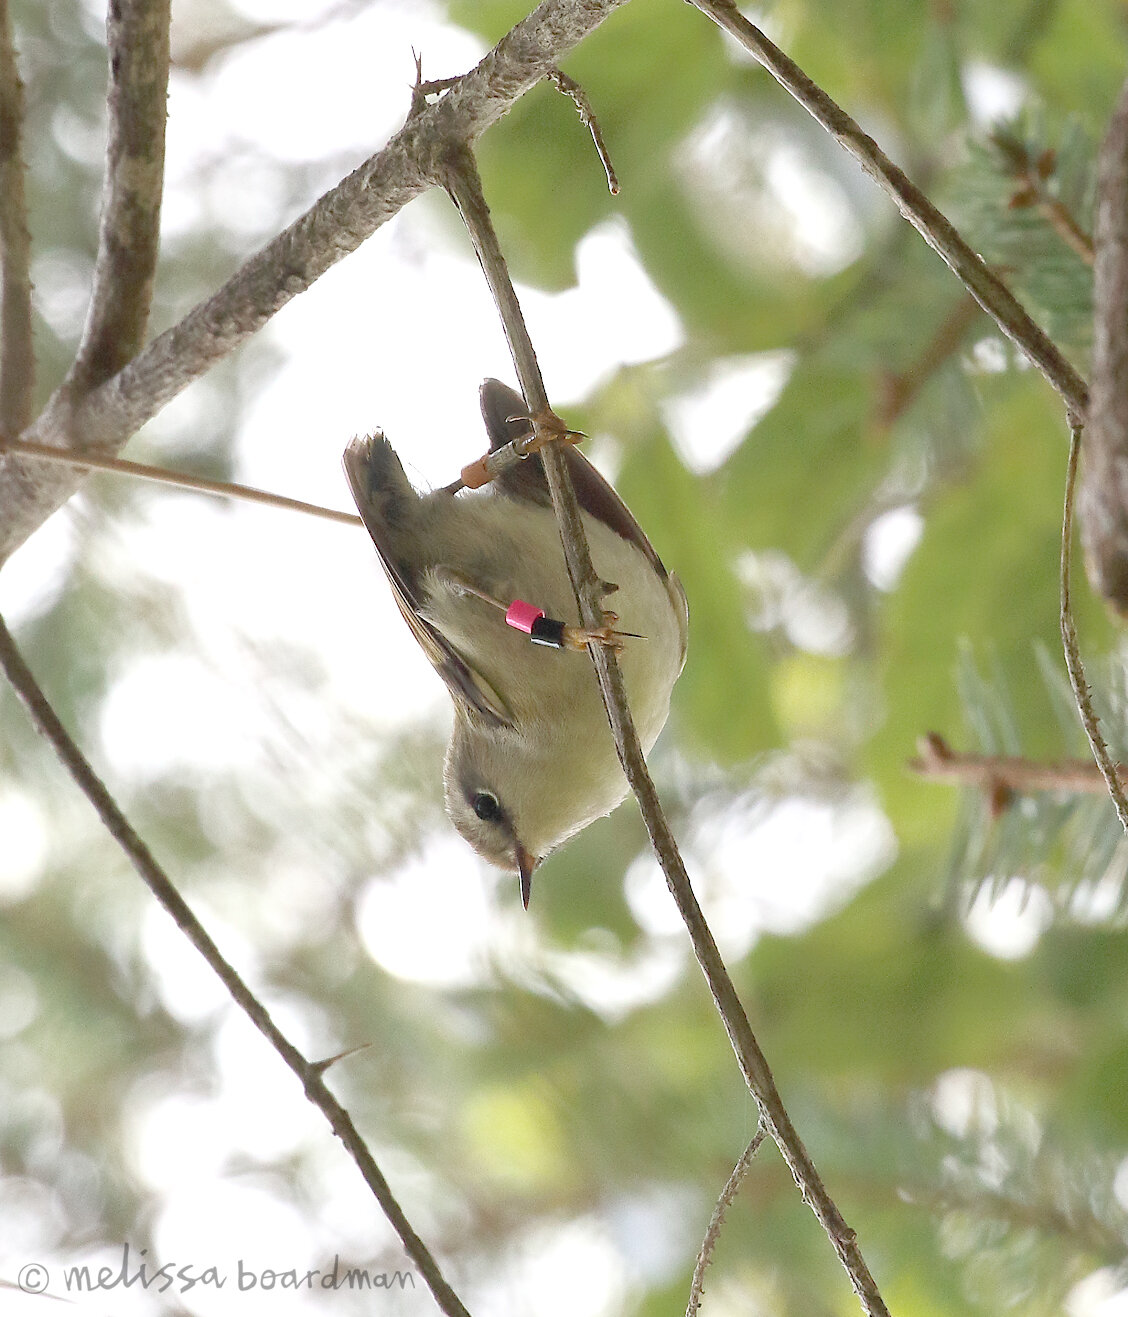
x,y
859,483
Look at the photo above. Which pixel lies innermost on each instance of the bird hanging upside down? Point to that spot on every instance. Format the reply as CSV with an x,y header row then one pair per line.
x,y
476,576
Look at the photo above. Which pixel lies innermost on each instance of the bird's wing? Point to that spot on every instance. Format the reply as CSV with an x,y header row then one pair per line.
x,y
506,418
467,686
681,611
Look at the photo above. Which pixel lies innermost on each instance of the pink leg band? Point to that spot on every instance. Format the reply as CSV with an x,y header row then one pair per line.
x,y
522,616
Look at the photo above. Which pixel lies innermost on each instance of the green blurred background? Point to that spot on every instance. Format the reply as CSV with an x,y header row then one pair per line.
x,y
860,485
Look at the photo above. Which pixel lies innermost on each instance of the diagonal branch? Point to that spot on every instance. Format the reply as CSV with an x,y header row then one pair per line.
x,y
463,183
158,882
1058,216
334,226
572,89
17,356
1073,661
177,479
934,227
1032,170
897,393
717,1220
1106,488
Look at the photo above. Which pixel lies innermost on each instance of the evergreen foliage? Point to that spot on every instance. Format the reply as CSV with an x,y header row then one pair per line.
x,y
963,1097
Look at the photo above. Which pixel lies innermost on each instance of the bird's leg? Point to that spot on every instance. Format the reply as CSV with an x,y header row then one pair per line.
x,y
580,637
541,630
547,428
457,582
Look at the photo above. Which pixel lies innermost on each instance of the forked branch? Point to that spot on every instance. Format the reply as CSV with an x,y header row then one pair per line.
x,y
933,226
334,226
936,761
1106,493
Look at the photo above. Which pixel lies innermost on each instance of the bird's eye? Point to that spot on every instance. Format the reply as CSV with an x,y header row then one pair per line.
x,y
485,805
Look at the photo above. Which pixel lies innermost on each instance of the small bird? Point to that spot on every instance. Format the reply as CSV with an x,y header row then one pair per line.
x,y
531,758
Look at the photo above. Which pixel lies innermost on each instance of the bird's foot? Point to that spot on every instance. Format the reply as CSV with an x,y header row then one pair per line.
x,y
581,638
548,428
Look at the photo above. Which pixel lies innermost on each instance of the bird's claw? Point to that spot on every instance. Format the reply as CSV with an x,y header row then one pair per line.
x,y
580,637
547,427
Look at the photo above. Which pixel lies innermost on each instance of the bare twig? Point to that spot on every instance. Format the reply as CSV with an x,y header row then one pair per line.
x,y
940,234
938,762
461,180
571,88
422,89
17,355
178,480
1060,218
753,1063
1073,663
463,183
713,1230
433,86
334,226
129,231
158,882
1031,173
898,392
1054,211
1106,501
1104,482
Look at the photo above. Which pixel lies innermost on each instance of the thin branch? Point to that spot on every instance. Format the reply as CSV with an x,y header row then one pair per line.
x,y
463,183
753,1063
938,762
1060,218
898,392
332,228
178,480
572,89
17,353
940,234
1031,174
158,882
1073,663
717,1220
424,88
1104,483
137,36
1107,478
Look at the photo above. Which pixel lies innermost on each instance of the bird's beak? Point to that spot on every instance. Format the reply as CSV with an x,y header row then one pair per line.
x,y
526,863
